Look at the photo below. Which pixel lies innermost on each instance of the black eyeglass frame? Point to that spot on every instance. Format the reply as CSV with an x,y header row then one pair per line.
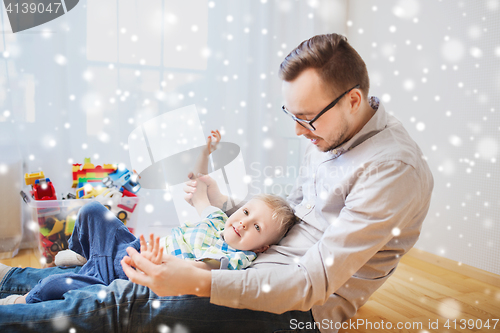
x,y
308,123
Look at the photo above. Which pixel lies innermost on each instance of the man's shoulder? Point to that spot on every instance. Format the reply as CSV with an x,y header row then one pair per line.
x,y
392,144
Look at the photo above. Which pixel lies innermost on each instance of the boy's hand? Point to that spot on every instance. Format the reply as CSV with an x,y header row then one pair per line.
x,y
215,196
212,143
151,251
173,278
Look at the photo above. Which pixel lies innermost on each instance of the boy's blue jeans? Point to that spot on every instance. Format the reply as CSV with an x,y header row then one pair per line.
x,y
123,305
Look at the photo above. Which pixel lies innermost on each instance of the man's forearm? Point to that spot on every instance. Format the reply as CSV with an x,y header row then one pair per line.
x,y
207,264
203,286
172,278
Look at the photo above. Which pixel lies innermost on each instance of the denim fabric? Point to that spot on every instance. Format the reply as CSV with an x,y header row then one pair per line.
x,y
123,306
102,239
19,281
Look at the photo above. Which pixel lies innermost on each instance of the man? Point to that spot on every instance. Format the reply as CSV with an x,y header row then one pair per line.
x,y
362,195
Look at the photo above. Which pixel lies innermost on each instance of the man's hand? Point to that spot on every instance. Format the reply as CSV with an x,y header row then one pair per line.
x,y
215,197
151,250
172,278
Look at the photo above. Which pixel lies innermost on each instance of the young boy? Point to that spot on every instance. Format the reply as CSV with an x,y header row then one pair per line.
x,y
215,242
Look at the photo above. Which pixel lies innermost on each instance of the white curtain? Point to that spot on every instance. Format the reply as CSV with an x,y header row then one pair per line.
x,y
77,86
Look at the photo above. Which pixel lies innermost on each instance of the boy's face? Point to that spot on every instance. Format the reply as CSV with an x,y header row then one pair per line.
x,y
251,228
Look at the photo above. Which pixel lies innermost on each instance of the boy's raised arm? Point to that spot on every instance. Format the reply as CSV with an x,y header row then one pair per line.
x,y
200,198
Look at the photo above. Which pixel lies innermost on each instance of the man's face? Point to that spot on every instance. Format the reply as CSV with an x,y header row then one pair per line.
x,y
251,228
308,95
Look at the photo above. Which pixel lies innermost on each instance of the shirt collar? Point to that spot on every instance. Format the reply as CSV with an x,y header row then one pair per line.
x,y
376,123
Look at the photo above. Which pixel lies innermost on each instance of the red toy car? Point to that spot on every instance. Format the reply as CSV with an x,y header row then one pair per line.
x,y
43,190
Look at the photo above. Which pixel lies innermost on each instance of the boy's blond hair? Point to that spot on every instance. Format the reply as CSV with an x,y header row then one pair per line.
x,y
282,213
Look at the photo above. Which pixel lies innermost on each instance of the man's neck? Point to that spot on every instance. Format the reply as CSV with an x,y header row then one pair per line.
x,y
365,114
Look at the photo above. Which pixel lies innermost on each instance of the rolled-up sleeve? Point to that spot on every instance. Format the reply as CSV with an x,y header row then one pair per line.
x,y
380,202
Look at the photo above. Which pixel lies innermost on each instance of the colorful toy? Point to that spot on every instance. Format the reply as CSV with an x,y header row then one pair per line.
x,y
56,220
123,212
90,172
30,179
41,187
122,177
44,190
53,236
88,191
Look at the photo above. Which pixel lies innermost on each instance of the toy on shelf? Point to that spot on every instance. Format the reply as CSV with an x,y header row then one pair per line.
x,y
41,187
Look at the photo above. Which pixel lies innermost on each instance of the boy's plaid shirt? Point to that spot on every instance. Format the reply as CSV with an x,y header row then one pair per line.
x,y
203,240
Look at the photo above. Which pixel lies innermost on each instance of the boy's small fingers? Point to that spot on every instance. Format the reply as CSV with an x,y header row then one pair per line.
x,y
127,259
134,276
142,242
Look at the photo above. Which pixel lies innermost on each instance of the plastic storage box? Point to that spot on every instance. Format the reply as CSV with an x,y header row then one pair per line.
x,y
55,220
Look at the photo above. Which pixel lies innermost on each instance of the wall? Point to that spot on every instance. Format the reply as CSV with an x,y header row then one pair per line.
x,y
77,86
436,67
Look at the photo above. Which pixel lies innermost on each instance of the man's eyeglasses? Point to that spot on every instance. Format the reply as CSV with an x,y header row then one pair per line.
x,y
308,124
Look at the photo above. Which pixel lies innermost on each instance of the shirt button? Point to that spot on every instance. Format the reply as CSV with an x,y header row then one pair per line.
x,y
334,152
308,206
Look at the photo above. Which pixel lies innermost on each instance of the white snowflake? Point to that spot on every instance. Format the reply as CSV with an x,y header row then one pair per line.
x,y
455,140
60,59
420,126
449,308
453,50
268,143
149,208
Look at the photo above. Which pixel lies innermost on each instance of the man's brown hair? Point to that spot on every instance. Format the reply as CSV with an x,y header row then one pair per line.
x,y
337,63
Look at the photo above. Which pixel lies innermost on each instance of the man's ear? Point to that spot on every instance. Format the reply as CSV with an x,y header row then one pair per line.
x,y
355,100
261,249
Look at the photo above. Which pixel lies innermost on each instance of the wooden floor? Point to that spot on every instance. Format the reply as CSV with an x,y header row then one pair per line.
x,y
419,296
425,297
25,258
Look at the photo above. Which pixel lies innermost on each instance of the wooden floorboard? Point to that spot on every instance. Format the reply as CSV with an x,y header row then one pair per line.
x,y
25,258
420,292
423,292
